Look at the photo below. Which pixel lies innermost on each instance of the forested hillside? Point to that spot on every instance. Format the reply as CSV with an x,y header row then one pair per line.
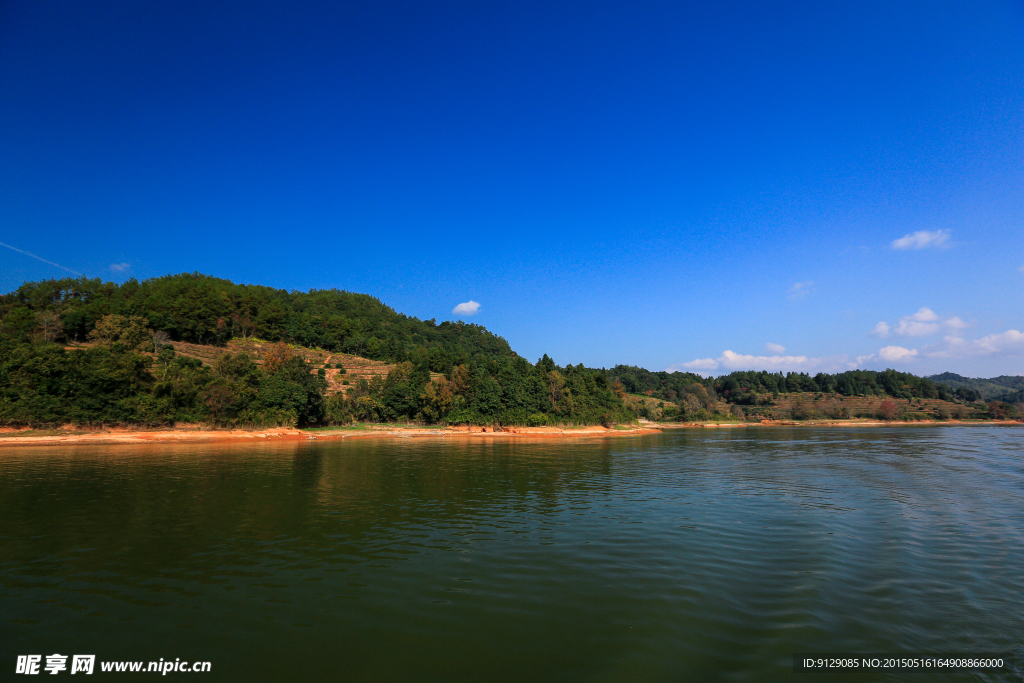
x,y
754,395
737,387
90,352
192,348
1009,388
205,310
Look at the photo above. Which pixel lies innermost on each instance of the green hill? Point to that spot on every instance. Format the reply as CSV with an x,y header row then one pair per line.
x,y
738,387
90,352
200,309
1009,388
194,348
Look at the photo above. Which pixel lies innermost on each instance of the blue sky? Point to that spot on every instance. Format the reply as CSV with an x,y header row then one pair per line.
x,y
708,186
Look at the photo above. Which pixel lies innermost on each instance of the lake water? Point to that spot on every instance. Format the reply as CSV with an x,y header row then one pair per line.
x,y
691,555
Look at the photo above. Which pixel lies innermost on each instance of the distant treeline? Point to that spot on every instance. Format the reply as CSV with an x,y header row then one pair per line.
x,y
1008,388
755,394
739,387
130,374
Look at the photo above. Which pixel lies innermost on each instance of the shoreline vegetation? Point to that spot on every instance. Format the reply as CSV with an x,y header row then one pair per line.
x,y
79,355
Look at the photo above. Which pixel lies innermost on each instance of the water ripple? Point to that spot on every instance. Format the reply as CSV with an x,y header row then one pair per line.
x,y
708,556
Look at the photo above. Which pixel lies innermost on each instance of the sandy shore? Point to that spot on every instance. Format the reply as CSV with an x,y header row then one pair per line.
x,y
11,438
832,423
14,437
126,436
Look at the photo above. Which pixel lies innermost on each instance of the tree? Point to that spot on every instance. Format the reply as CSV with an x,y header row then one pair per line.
x,y
619,390
242,326
130,332
275,357
293,389
437,398
487,398
402,389
998,410
460,379
50,326
888,410
18,324
164,358
556,383
218,398
799,409
160,340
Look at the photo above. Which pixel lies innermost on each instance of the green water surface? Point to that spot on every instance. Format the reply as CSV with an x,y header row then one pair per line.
x,y
690,555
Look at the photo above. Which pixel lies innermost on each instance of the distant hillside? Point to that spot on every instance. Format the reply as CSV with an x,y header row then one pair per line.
x,y
743,386
1009,388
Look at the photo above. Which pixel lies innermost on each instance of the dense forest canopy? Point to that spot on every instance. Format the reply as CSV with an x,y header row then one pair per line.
x,y
129,372
84,351
205,310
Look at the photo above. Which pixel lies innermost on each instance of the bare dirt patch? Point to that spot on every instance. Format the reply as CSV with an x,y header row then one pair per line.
x,y
354,368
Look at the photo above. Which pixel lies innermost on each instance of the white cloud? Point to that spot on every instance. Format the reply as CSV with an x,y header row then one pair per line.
x,y
922,239
924,323
956,323
881,330
951,347
896,353
776,349
1008,343
730,360
1011,340
1003,345
737,361
120,267
1002,348
698,365
468,308
800,289
911,328
923,315
889,354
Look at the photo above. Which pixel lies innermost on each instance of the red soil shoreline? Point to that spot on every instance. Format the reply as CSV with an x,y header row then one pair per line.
x,y
836,423
11,438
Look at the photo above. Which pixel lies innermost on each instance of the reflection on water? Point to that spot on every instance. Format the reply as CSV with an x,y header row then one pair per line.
x,y
704,555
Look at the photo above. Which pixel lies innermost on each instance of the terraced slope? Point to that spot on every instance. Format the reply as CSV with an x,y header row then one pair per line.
x,y
355,367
